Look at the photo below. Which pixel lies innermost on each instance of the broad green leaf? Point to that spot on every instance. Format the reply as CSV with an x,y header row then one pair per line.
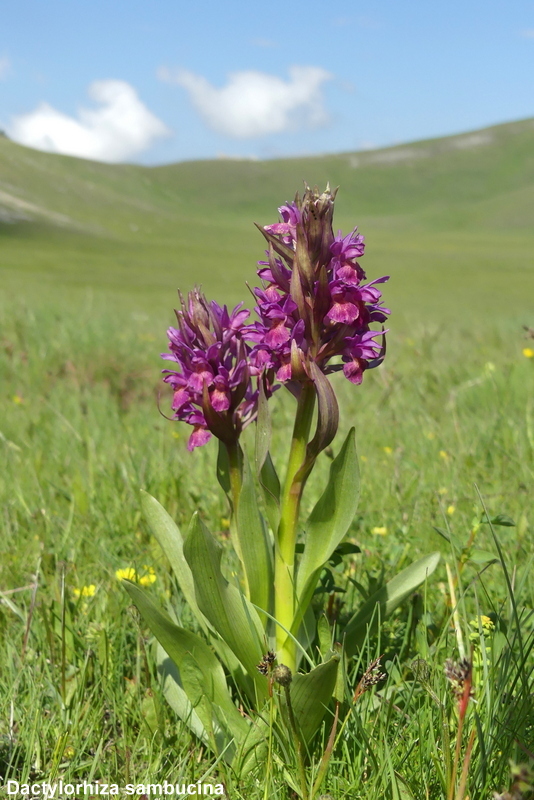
x,y
482,557
252,751
310,696
328,523
386,599
234,667
175,695
330,520
254,545
181,644
226,608
192,681
171,542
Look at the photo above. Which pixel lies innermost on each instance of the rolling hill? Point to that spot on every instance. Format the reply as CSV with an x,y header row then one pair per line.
x,y
450,219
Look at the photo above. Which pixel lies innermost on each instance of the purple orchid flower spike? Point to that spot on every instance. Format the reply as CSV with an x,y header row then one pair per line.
x,y
315,306
212,384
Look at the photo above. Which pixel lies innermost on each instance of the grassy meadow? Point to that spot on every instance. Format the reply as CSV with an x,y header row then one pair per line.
x,y
92,255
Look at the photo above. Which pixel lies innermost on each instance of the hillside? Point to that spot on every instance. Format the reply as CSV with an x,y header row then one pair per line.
x,y
434,213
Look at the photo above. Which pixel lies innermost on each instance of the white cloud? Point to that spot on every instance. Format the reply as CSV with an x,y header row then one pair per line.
x,y
122,126
5,67
254,104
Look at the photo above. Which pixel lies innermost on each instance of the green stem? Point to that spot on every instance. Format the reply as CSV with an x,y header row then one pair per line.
x,y
287,531
236,472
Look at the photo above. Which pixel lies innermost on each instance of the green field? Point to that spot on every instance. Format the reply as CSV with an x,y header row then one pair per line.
x,y
91,257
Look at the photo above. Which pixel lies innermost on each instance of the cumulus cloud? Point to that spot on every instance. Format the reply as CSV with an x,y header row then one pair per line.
x,y
120,128
5,67
254,104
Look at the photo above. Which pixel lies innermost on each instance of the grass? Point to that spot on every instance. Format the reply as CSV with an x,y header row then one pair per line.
x,y
82,323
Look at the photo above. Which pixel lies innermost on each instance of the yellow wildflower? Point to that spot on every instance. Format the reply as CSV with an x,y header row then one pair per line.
x,y
18,400
149,578
127,574
380,530
388,450
444,455
451,510
528,352
85,591
486,623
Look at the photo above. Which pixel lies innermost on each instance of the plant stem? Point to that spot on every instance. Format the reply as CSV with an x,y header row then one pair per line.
x,y
287,530
325,760
465,769
234,460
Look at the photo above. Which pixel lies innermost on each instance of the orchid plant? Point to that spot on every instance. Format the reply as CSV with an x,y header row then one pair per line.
x,y
315,311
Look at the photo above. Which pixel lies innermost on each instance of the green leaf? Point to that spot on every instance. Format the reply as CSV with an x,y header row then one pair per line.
x,y
171,542
502,519
176,696
252,752
330,520
324,633
270,485
482,557
254,546
223,468
386,599
449,537
310,696
228,610
184,648
263,429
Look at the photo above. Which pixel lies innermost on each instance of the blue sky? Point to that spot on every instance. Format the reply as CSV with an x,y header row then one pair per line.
x,y
168,81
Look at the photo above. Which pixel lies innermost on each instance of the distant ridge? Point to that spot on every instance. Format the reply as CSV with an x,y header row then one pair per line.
x,y
450,219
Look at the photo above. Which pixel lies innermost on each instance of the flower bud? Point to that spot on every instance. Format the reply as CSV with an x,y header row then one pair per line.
x,y
282,675
317,214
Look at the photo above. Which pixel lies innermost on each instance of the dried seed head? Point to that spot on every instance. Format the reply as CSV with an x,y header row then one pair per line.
x,y
420,669
266,662
372,675
458,673
282,675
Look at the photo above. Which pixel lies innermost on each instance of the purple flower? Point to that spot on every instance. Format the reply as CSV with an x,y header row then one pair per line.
x,y
212,387
314,304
